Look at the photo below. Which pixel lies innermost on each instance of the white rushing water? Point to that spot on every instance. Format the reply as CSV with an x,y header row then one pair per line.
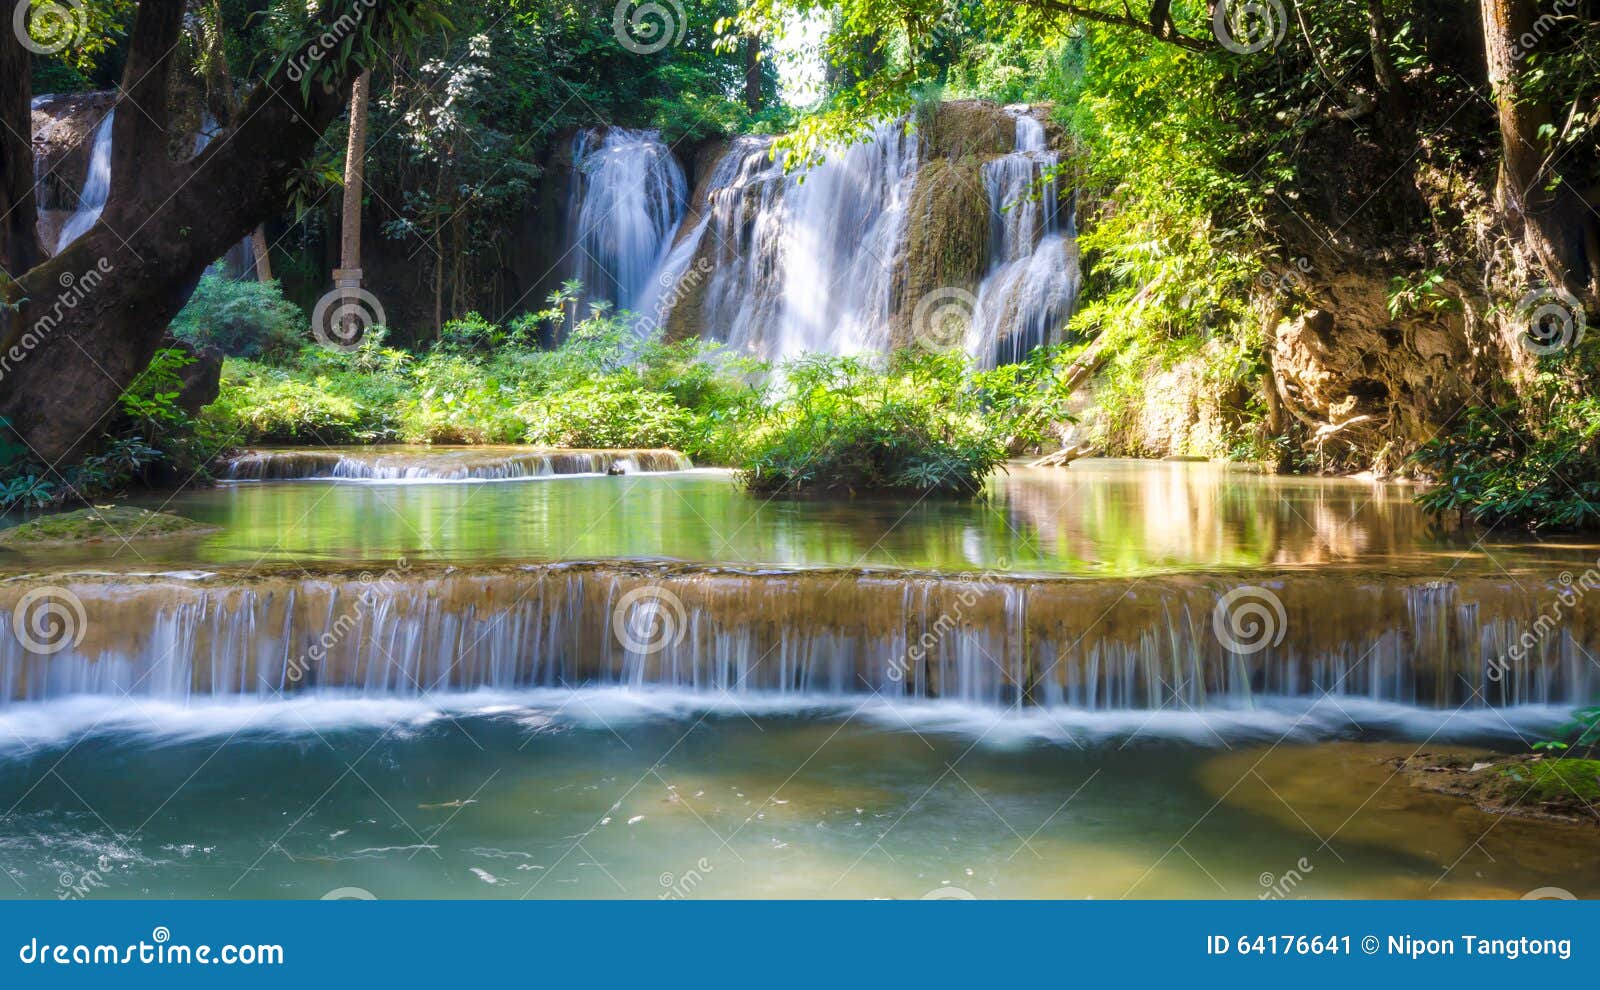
x,y
1033,278
96,186
628,198
805,261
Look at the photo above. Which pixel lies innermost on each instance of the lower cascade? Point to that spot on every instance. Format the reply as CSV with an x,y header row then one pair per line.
x,y
980,639
464,464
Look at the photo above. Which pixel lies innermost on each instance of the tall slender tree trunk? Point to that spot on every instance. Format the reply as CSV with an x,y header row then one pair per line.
x,y
1556,231
260,248
349,271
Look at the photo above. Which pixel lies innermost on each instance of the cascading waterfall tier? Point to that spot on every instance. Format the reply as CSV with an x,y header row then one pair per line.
x,y
982,639
460,464
96,186
1033,278
803,261
628,198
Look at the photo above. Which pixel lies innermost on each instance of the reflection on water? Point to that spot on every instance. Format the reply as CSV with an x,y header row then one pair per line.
x,y
582,799
1107,518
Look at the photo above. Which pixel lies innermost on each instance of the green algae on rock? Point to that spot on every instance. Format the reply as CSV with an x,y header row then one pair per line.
x,y
101,524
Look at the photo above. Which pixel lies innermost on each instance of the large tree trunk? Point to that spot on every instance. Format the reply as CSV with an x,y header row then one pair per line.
x,y
91,317
1556,230
19,230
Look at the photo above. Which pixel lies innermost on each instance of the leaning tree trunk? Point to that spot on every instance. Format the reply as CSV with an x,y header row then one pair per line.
x,y
19,232
1556,230
86,322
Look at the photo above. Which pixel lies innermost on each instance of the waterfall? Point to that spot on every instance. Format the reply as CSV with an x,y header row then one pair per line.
x,y
805,262
987,640
96,186
1033,277
628,198
473,464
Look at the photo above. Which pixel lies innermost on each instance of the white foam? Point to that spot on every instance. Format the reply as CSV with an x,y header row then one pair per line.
x,y
27,726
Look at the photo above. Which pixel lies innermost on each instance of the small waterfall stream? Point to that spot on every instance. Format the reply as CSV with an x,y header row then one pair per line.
x,y
628,198
96,186
1033,278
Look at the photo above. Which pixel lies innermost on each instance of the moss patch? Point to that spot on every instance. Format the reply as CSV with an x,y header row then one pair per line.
x,y
100,524
1532,786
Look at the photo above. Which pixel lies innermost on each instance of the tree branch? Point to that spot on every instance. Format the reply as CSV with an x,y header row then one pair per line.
x,y
1158,27
139,133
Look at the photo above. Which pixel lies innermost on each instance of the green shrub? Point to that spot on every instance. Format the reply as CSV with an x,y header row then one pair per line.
x,y
841,425
607,414
1534,462
241,319
268,405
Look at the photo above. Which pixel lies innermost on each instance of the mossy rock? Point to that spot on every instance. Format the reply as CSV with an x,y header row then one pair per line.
x,y
947,236
961,128
97,525
1561,788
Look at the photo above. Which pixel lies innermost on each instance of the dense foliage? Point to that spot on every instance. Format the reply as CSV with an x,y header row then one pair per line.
x,y
841,425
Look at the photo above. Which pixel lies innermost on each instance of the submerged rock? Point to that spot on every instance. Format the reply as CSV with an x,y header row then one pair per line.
x,y
101,524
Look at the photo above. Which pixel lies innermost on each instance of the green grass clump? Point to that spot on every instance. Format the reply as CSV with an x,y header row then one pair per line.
x,y
99,524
